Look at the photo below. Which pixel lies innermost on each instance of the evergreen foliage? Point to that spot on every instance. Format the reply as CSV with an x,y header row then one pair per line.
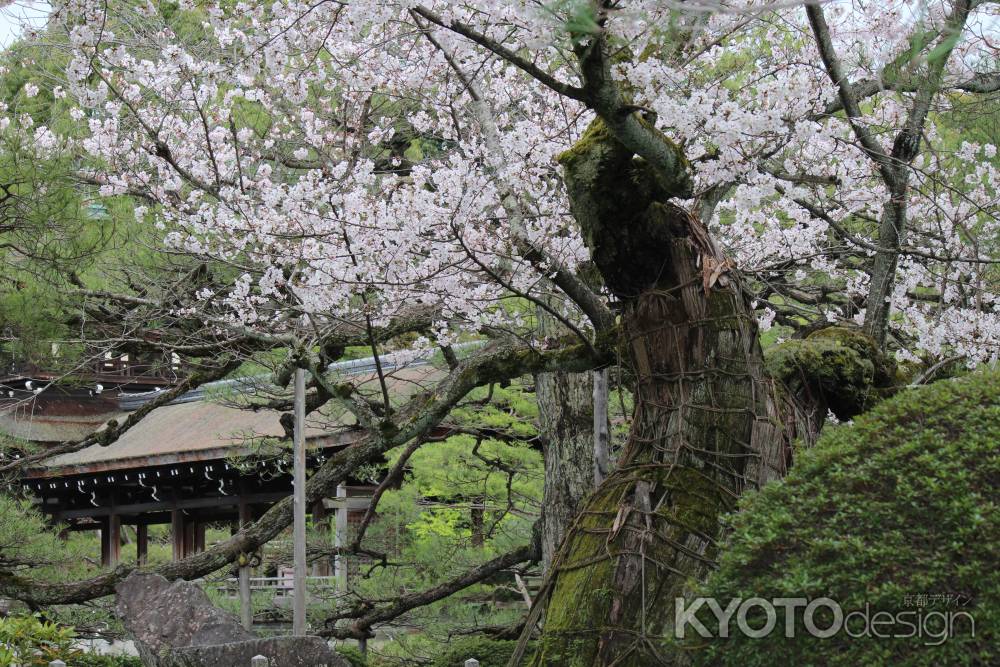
x,y
896,511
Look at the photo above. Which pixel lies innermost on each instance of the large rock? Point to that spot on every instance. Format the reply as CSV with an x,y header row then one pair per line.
x,y
175,625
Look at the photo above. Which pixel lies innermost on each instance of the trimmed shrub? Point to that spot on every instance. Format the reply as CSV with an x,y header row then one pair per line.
x,y
896,513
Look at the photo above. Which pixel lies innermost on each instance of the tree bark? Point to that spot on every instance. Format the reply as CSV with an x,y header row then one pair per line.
x,y
570,441
566,424
708,423
602,426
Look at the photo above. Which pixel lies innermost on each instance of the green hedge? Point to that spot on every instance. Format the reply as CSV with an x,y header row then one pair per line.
x,y
900,505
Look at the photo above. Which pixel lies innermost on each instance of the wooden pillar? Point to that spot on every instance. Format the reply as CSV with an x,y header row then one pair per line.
x,y
477,516
189,529
199,537
340,539
177,533
141,543
246,607
111,540
105,532
115,538
299,507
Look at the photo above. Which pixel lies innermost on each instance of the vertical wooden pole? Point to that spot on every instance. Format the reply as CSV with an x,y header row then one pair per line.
x,y
477,517
602,438
114,540
141,543
246,606
299,506
105,532
340,539
177,533
199,537
189,527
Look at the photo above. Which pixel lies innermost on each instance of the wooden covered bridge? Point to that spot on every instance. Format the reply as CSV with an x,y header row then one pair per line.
x,y
197,461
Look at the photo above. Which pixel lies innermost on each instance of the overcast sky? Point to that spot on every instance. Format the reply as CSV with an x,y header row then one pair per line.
x,y
13,17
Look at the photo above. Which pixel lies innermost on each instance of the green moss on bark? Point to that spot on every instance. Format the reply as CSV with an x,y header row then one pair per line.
x,y
622,206
838,368
588,603
706,426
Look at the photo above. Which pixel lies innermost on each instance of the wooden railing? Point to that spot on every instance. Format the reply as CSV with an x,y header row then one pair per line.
x,y
280,586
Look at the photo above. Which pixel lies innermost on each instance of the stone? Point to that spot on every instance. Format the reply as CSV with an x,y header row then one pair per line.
x,y
280,651
174,624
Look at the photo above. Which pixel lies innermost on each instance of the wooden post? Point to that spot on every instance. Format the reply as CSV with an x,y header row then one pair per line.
x,y
104,532
299,506
141,543
115,538
340,539
602,439
111,540
177,532
477,517
199,537
189,527
246,601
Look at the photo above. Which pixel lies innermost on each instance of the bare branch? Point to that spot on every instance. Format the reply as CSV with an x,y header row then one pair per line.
x,y
521,63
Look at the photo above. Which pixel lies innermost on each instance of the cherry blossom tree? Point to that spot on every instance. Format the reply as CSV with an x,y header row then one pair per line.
x,y
660,179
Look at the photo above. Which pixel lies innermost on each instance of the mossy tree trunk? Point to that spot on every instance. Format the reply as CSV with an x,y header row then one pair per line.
x,y
708,423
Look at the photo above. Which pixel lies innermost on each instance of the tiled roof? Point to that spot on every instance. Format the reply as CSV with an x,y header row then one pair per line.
x,y
212,426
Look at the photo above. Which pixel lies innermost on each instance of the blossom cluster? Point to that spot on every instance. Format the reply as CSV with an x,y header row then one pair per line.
x,y
335,157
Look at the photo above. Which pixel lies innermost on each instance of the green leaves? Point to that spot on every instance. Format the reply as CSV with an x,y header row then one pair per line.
x,y
28,640
462,500
577,17
899,504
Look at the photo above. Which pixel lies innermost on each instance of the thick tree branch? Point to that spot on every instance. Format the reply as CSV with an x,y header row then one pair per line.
x,y
604,96
366,617
845,92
